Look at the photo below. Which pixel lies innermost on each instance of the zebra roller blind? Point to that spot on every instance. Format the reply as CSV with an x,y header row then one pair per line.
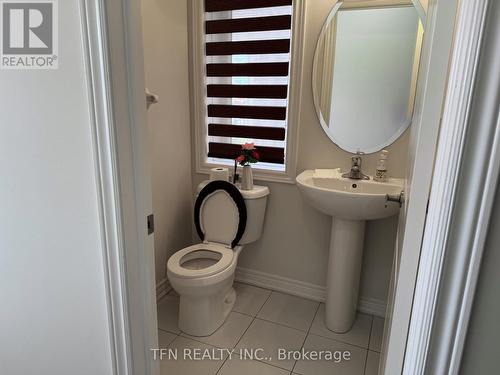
x,y
247,67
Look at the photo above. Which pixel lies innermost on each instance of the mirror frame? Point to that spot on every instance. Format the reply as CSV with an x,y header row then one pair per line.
x,y
361,5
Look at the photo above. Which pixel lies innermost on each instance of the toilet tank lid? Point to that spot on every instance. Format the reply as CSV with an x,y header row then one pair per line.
x,y
256,192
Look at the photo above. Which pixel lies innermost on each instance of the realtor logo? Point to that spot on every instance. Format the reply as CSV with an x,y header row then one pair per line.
x,y
28,34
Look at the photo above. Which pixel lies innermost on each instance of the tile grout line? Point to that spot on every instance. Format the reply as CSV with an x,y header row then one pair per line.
x,y
256,318
281,324
180,334
317,334
368,349
167,331
307,334
177,334
171,342
194,338
371,331
374,350
340,341
241,337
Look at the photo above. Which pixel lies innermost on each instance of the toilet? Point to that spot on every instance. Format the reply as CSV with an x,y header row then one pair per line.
x,y
226,219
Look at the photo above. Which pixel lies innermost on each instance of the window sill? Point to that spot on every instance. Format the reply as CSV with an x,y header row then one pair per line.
x,y
258,174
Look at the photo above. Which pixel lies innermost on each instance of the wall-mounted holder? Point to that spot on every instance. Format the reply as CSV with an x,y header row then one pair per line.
x,y
151,98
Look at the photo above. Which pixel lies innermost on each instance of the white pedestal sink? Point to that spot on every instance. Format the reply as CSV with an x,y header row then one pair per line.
x,y
351,203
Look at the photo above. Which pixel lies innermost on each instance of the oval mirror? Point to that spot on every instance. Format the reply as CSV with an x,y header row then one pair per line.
x,y
364,72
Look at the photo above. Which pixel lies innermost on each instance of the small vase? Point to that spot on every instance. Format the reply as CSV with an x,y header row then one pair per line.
x,y
247,179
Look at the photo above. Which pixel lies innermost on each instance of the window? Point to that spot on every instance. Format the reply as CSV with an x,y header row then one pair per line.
x,y
245,69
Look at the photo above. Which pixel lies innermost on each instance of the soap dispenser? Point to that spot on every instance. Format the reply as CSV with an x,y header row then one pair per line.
x,y
381,170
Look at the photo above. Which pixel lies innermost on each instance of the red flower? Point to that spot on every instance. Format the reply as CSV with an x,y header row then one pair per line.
x,y
256,155
248,146
240,158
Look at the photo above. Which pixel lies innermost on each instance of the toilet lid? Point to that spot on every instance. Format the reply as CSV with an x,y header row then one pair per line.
x,y
183,263
220,213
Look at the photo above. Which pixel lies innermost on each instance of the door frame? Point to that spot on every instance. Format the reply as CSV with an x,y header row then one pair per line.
x,y
424,133
463,69
424,259
112,38
467,174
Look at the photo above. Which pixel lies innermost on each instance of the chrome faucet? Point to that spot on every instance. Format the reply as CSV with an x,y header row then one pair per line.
x,y
355,172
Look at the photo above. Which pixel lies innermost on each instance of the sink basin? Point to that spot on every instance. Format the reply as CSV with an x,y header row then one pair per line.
x,y
350,203
327,191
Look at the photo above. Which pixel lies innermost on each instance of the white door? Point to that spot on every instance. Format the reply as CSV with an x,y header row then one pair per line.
x,y
431,89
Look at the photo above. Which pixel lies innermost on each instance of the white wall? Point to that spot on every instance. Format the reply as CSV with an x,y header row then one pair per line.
x,y
53,314
481,348
296,237
166,69
480,354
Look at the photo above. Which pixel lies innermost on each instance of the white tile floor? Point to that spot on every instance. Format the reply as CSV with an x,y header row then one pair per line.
x,y
271,320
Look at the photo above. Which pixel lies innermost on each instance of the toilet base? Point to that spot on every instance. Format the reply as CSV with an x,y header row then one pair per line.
x,y
203,315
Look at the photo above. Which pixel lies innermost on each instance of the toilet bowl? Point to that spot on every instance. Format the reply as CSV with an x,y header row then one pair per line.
x,y
226,218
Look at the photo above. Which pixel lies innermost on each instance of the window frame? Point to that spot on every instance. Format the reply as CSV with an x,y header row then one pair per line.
x,y
198,95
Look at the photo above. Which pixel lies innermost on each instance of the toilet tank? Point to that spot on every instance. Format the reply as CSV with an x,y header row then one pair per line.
x,y
256,202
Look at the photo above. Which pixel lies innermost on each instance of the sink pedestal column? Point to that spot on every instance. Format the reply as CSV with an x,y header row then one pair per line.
x,y
344,272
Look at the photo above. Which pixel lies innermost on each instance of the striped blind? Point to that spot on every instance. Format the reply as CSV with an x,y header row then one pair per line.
x,y
248,58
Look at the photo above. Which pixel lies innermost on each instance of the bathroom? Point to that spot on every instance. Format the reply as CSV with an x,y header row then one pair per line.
x,y
286,269
276,187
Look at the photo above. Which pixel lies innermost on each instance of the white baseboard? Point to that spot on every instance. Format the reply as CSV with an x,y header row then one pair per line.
x,y
372,306
302,289
162,289
280,284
